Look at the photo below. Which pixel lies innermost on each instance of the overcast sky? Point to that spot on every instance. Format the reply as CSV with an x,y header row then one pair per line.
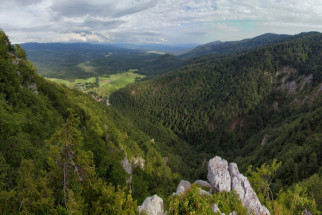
x,y
155,21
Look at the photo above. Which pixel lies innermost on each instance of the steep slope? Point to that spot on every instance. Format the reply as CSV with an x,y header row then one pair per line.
x,y
39,120
230,47
161,65
261,105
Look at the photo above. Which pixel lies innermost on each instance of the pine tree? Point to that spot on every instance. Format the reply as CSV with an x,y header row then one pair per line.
x,y
71,166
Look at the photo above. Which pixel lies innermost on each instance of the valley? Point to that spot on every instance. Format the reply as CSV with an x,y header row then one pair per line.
x,y
256,103
101,87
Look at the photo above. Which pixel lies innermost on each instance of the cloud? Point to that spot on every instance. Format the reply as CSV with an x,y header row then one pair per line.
x,y
136,8
81,8
20,2
140,21
76,8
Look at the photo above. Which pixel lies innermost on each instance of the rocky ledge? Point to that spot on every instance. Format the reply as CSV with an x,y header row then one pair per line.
x,y
221,177
227,178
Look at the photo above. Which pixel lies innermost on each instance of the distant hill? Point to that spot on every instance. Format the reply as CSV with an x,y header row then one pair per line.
x,y
162,65
229,47
83,60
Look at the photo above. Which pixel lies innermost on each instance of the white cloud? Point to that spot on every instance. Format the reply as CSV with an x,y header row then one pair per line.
x,y
172,21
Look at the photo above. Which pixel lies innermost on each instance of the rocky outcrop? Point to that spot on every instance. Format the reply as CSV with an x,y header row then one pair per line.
x,y
183,187
248,197
218,174
224,178
152,206
127,166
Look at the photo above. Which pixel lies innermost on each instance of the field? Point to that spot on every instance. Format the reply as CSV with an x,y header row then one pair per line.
x,y
101,86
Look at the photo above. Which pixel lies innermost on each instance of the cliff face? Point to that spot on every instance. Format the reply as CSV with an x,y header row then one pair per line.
x,y
227,178
223,177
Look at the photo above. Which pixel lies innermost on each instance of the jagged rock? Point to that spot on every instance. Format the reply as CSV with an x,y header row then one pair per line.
x,y
152,206
248,197
202,183
183,186
218,174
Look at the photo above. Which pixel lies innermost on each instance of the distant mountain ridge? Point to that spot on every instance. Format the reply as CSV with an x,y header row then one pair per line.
x,y
84,60
219,47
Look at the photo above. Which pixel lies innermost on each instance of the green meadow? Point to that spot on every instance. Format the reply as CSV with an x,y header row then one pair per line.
x,y
102,86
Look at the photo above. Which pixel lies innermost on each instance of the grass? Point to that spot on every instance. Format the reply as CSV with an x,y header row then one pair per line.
x,y
106,84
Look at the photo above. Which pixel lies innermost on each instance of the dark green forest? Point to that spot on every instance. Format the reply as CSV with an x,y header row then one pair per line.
x,y
61,151
250,108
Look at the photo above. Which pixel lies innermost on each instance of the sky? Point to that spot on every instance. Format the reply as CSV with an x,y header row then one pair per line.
x,y
155,21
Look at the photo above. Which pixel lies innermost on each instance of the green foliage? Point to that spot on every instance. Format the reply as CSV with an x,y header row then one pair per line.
x,y
192,202
82,154
262,179
294,200
173,124
69,163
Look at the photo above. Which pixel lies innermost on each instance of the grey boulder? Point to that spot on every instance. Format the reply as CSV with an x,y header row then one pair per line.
x,y
152,206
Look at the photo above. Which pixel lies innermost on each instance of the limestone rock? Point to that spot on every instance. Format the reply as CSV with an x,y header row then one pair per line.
x,y
218,174
233,213
127,166
203,192
152,206
183,186
248,197
202,183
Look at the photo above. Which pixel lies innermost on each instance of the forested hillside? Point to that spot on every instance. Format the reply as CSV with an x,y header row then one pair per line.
x,y
231,47
251,108
62,151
